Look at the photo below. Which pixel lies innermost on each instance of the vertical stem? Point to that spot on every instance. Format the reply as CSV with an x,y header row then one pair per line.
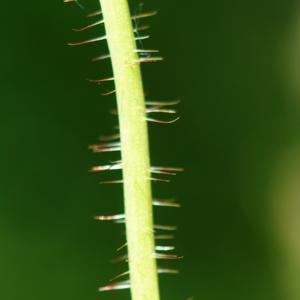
x,y
135,150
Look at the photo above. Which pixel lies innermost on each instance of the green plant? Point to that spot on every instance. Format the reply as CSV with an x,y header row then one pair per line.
x,y
134,145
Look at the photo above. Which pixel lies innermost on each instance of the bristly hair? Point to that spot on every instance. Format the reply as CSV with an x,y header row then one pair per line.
x,y
112,142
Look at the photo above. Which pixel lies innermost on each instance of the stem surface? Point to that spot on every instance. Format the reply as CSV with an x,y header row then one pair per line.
x,y
135,149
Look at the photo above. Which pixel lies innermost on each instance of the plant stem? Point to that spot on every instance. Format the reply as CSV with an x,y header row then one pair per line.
x,y
135,149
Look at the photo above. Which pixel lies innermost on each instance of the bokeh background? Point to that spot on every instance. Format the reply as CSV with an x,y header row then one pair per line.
x,y
235,66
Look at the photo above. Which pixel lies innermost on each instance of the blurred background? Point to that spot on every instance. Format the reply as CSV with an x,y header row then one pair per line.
x,y
235,66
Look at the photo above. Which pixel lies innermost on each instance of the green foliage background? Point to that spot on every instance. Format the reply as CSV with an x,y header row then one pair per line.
x,y
224,60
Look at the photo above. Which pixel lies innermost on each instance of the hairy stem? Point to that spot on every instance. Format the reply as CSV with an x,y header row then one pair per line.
x,y
135,149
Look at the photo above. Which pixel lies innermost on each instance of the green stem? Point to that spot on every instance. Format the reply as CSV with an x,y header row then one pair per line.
x,y
135,149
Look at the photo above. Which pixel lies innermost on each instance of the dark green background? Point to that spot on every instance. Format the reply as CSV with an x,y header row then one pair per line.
x,y
224,60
